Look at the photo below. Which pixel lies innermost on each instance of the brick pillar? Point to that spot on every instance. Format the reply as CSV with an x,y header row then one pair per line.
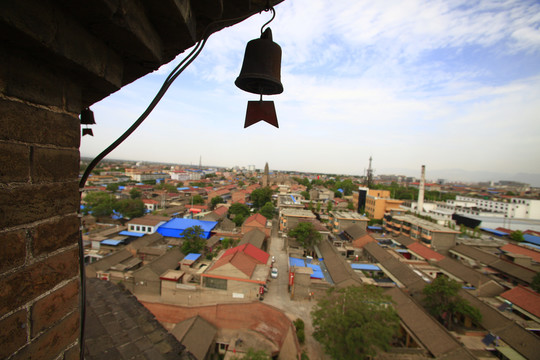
x,y
39,165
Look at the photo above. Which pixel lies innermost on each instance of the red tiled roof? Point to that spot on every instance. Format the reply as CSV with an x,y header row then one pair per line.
x,y
200,207
425,252
505,230
515,249
362,241
150,201
222,210
525,298
244,257
256,217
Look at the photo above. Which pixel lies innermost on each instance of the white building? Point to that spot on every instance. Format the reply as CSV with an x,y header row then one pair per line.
x,y
516,208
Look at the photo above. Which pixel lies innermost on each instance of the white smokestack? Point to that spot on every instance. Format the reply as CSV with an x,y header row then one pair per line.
x,y
421,191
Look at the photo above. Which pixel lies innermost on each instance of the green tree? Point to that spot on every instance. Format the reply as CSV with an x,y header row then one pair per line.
x,y
239,220
113,187
241,183
306,234
135,193
261,196
329,206
535,284
305,194
130,208
350,205
268,210
239,209
216,200
517,236
444,303
197,200
354,322
194,241
179,184
168,187
100,203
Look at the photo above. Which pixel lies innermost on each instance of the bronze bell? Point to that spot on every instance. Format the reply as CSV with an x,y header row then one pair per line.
x,y
261,70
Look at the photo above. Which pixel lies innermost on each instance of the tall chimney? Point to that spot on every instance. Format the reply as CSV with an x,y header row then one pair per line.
x,y
420,207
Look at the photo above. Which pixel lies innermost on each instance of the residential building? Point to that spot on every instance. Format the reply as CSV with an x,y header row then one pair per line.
x,y
175,227
378,203
147,224
240,271
340,220
289,218
439,237
257,221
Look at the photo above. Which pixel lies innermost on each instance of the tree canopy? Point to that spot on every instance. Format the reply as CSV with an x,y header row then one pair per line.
x,y
306,234
168,187
197,200
240,213
194,241
216,200
268,210
444,303
354,322
130,208
103,204
260,196
135,193
517,236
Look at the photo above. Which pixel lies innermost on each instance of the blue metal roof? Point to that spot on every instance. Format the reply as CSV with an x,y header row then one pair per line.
x,y
369,267
130,233
532,239
192,256
296,262
112,242
176,226
317,272
494,232
374,228
182,188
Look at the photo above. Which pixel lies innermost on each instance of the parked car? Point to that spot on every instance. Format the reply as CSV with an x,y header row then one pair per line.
x,y
274,273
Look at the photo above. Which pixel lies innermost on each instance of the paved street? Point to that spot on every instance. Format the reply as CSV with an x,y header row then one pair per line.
x,y
279,297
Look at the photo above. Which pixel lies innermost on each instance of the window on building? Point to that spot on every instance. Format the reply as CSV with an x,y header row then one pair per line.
x,y
131,227
138,228
143,228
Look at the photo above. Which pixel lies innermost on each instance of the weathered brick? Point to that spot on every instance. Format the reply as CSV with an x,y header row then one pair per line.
x,y
36,202
14,162
13,334
54,164
21,122
31,80
56,234
13,244
28,283
54,306
53,342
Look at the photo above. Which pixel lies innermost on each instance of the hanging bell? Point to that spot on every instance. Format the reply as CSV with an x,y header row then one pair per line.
x,y
261,69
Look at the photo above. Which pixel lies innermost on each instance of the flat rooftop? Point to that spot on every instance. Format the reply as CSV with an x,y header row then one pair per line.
x,y
424,223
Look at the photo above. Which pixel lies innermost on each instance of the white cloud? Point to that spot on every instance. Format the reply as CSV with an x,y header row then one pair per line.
x,y
408,82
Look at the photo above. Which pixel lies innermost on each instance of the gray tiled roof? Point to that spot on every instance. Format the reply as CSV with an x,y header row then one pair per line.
x,y
119,327
433,336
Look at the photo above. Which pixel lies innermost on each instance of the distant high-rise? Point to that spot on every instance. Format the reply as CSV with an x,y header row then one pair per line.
x,y
266,176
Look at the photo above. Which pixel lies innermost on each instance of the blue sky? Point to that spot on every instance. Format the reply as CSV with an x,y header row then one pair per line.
x,y
453,85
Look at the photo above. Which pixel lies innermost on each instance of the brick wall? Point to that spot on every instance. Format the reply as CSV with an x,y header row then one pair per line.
x,y
39,166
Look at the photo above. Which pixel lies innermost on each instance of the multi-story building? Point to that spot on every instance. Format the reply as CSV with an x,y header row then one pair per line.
x,y
339,220
439,237
378,203
515,208
289,218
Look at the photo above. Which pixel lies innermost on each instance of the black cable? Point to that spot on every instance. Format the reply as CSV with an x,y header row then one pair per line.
x,y
166,84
